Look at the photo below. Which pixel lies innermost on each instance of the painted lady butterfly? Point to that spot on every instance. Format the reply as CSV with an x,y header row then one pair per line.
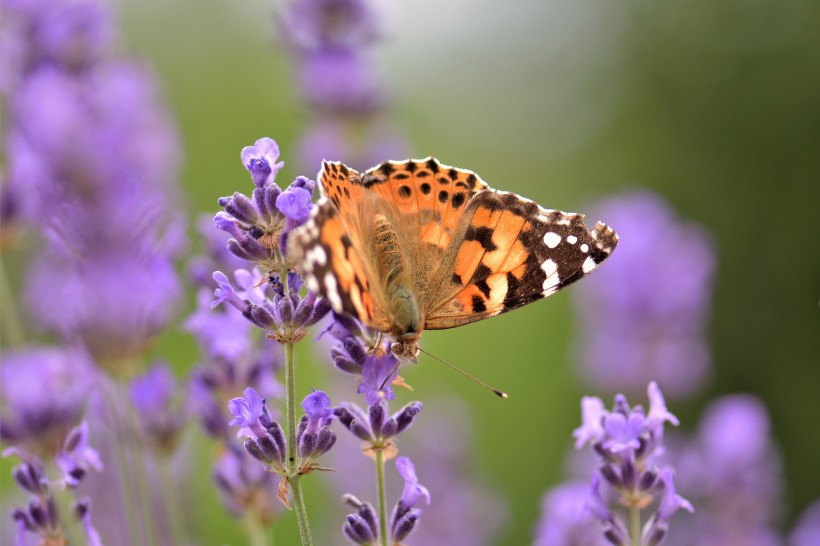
x,y
416,245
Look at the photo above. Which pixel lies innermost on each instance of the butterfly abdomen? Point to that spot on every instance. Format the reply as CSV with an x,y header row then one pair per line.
x,y
405,314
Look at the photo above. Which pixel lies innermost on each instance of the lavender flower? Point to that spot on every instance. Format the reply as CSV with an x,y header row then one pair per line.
x,y
259,225
45,391
565,521
644,316
807,529
161,414
629,442
333,40
244,485
732,471
42,515
92,160
361,527
265,440
77,456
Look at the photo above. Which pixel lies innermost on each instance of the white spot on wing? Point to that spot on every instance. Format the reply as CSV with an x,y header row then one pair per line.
x,y
584,248
572,239
589,265
551,271
332,293
552,239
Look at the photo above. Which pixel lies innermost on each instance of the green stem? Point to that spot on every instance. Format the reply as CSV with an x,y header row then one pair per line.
x,y
11,319
125,474
293,471
635,524
256,531
382,497
173,503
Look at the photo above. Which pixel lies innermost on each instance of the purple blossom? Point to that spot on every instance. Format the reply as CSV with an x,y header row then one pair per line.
x,y
44,392
333,40
244,485
732,472
643,317
440,451
565,520
377,374
260,160
248,412
77,456
160,413
413,491
314,436
629,446
807,529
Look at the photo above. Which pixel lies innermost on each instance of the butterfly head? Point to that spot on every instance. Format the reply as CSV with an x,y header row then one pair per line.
x,y
406,348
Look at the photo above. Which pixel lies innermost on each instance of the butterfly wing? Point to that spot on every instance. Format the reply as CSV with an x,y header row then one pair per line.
x,y
425,201
507,252
331,259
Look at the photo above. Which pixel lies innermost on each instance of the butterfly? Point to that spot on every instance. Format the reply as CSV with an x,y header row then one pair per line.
x,y
415,245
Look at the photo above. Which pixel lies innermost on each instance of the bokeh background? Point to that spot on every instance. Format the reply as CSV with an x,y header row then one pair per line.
x,y
713,105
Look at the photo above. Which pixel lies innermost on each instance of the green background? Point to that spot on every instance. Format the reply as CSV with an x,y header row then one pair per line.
x,y
715,105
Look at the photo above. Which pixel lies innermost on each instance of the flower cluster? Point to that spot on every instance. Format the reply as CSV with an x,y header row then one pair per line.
x,y
643,316
42,515
361,527
92,164
629,442
733,474
264,438
331,44
161,414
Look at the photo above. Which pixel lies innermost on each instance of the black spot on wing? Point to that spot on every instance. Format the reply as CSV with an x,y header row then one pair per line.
x,y
483,235
443,196
405,191
458,199
478,304
433,165
425,188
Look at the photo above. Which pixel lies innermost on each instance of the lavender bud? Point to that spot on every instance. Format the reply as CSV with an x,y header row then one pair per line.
x,y
405,416
361,430
272,193
357,530
241,208
261,202
389,429
306,444
239,251
405,524
275,431
262,317
269,448
377,414
256,451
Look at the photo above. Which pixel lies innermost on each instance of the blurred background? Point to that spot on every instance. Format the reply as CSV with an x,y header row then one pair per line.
x,y
691,126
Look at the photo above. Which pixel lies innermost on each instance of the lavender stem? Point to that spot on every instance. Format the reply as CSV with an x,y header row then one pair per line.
x,y
382,497
635,524
255,529
293,472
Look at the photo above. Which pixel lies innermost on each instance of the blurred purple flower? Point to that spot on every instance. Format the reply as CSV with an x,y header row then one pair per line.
x,y
333,41
44,392
77,456
162,413
244,485
807,530
248,411
628,445
731,471
565,520
643,317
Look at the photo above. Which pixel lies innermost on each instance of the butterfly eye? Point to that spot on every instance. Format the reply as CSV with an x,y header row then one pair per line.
x,y
396,348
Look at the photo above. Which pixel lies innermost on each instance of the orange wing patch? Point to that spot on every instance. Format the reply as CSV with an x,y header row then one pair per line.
x,y
333,266
513,252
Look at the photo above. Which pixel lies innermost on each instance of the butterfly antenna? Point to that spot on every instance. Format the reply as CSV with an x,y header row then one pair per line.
x,y
500,394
